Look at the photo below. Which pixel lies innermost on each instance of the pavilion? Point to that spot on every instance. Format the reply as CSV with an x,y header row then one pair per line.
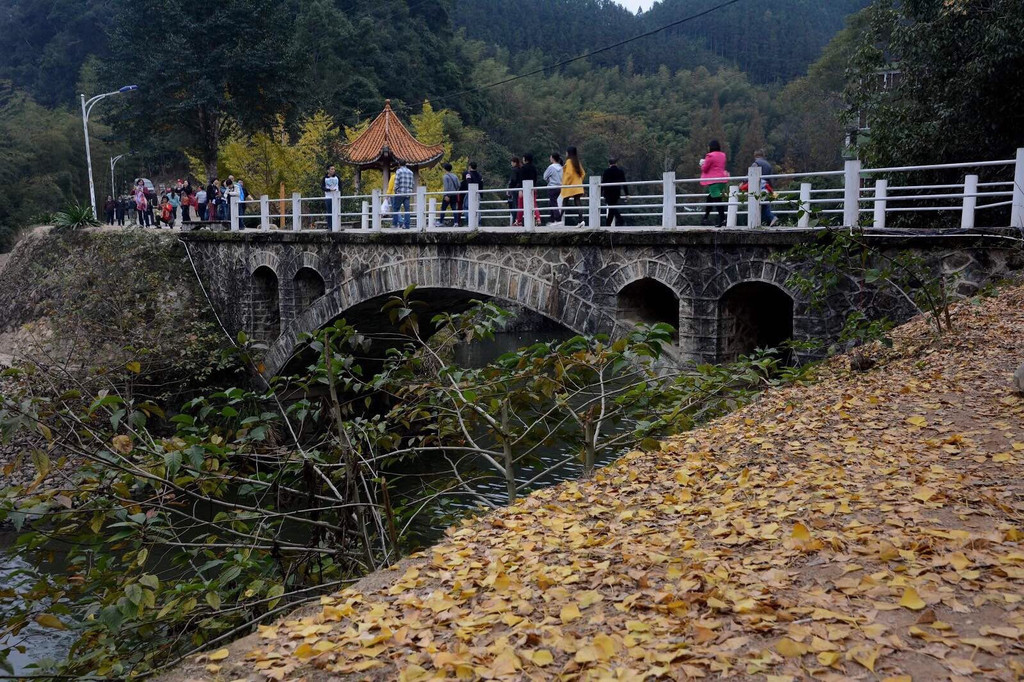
x,y
384,145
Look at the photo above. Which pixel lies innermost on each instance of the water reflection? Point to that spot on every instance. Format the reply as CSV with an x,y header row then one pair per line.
x,y
42,646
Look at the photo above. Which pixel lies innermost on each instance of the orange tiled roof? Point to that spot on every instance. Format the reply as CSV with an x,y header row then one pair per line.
x,y
388,140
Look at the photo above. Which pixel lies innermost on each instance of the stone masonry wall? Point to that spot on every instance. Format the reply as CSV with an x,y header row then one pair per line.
x,y
572,278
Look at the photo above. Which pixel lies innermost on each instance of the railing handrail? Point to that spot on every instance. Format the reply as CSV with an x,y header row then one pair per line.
x,y
672,199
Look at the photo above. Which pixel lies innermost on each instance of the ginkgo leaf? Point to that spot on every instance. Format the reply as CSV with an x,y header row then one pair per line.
x,y
917,420
542,657
48,620
219,655
790,649
800,532
911,600
569,613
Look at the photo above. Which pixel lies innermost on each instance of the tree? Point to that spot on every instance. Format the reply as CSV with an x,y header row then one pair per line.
x,y
951,101
200,79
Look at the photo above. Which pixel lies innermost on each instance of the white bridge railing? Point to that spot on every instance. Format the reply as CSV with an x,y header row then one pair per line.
x,y
859,195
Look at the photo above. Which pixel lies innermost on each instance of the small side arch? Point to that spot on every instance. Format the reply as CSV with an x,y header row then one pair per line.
x,y
308,286
264,304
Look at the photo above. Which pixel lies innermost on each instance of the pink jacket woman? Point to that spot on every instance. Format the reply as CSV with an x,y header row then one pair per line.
x,y
713,166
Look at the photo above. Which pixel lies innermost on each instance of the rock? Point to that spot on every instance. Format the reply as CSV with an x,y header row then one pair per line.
x,y
859,362
1018,379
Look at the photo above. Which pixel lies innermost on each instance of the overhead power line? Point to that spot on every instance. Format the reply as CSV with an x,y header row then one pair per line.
x,y
586,55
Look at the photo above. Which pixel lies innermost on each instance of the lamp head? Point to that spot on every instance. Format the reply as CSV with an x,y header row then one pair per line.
x,y
128,88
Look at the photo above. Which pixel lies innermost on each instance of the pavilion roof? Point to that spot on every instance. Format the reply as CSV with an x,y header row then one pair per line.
x,y
388,141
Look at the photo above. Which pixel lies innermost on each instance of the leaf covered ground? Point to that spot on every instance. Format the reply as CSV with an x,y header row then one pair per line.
x,y
868,526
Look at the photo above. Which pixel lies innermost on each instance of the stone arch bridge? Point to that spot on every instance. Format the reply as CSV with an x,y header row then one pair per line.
x,y
725,292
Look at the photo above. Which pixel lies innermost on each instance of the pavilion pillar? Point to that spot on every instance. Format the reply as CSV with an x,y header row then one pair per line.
x,y
386,174
359,180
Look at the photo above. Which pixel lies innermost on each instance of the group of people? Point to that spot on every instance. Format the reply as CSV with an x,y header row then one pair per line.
x,y
173,205
564,185
563,182
715,178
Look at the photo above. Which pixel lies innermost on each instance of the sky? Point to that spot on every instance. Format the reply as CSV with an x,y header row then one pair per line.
x,y
634,4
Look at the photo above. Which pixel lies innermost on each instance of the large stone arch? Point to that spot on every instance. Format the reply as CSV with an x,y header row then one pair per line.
x,y
482,278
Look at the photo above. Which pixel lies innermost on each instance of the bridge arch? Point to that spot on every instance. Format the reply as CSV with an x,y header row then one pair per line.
x,y
483,278
308,285
750,305
657,277
268,259
264,304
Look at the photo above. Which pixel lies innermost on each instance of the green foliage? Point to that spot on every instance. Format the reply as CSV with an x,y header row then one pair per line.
x,y
74,217
202,78
841,260
952,103
772,43
42,161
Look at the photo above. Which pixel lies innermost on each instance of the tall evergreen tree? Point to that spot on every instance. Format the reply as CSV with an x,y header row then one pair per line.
x,y
198,78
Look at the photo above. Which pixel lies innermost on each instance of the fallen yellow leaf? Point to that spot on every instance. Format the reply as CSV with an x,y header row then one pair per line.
x,y
912,600
800,532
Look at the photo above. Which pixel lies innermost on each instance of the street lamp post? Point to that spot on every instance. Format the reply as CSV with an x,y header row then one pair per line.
x,y
87,106
113,162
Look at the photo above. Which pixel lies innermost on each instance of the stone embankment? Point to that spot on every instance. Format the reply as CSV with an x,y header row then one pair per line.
x,y
868,526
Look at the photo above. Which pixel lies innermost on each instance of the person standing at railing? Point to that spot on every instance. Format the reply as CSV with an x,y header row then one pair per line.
x,y
331,185
515,192
175,198
450,200
201,202
613,190
405,185
240,190
767,216
228,191
470,177
529,172
553,179
213,200
572,187
713,178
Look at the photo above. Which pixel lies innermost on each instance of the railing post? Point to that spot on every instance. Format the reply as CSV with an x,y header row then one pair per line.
x,y
421,208
851,193
473,221
970,201
753,203
1017,213
668,201
881,196
336,211
432,212
594,202
529,206
364,223
375,208
296,211
732,213
264,212
805,205
233,210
